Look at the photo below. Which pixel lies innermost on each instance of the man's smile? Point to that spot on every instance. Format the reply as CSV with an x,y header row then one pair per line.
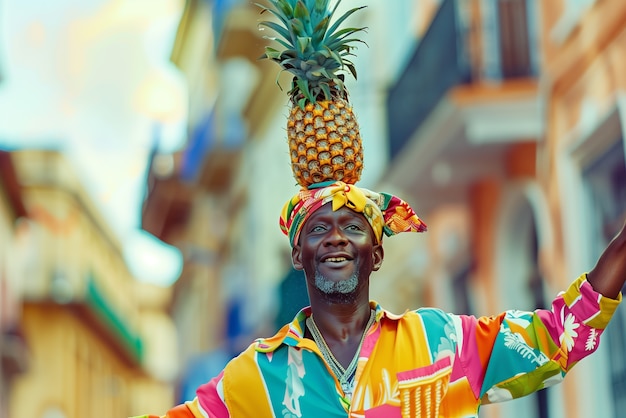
x,y
334,259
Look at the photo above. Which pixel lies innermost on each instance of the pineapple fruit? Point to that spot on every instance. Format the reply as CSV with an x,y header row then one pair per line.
x,y
322,130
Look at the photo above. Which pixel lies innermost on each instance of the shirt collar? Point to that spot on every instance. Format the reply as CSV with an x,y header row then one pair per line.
x,y
292,334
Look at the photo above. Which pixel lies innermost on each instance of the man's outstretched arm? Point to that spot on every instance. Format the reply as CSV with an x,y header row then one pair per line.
x,y
609,274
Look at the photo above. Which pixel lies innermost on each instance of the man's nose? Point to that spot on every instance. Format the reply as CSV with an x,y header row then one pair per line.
x,y
336,236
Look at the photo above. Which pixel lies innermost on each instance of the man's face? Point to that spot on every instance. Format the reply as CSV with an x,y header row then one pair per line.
x,y
337,251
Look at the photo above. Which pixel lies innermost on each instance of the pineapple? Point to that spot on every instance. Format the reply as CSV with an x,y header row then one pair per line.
x,y
322,130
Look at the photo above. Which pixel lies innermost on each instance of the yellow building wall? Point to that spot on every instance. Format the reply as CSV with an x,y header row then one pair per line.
x,y
100,343
73,371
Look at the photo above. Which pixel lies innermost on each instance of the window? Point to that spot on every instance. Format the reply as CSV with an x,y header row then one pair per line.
x,y
514,39
509,39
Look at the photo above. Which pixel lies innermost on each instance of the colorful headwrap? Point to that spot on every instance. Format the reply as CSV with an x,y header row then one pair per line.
x,y
386,213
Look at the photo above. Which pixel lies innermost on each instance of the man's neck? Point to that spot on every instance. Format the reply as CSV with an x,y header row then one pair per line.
x,y
342,328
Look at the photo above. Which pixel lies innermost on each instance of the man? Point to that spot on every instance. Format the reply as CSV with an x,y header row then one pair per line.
x,y
346,356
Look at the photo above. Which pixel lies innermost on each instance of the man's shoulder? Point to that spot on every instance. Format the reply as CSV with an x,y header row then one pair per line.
x,y
415,313
426,316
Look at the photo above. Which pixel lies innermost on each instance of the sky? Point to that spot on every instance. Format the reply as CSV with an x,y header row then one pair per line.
x,y
92,79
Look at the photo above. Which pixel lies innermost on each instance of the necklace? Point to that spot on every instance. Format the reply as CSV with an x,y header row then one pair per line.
x,y
345,376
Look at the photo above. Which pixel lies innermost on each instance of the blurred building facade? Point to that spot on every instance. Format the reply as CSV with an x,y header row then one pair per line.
x,y
95,341
225,296
500,121
506,131
13,349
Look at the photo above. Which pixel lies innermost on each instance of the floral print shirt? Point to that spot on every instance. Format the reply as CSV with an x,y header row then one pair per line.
x,y
424,363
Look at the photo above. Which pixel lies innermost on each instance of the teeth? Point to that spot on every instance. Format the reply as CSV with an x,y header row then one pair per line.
x,y
336,259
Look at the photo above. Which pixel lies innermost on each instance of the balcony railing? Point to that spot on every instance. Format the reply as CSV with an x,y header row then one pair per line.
x,y
439,63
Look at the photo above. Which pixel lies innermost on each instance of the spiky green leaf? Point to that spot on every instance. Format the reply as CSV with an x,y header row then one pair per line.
x,y
281,16
280,41
345,45
284,33
341,33
272,53
315,53
302,14
334,55
304,45
326,89
319,31
297,28
352,69
303,86
343,17
285,8
291,63
320,7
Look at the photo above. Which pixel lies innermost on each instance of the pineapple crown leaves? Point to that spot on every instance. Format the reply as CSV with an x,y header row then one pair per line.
x,y
315,51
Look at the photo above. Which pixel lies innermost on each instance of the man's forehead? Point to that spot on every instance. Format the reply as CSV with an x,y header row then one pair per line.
x,y
327,210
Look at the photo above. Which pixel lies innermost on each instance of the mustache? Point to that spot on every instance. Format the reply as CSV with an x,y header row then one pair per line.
x,y
343,291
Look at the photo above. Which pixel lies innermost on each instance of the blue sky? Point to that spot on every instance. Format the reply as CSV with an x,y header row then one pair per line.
x,y
92,78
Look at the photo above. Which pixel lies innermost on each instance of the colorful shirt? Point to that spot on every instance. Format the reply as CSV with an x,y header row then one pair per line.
x,y
424,363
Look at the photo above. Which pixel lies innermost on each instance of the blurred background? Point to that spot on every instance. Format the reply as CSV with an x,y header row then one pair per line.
x,y
143,166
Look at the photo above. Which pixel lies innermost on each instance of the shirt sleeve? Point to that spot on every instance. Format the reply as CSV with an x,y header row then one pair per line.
x,y
516,353
187,410
210,398
212,405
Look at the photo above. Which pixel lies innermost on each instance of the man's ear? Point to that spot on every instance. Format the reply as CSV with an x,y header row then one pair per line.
x,y
296,258
378,254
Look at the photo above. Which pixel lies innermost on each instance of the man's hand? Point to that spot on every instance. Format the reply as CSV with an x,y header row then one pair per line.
x,y
609,274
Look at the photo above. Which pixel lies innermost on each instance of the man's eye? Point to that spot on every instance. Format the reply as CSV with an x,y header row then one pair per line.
x,y
354,227
317,228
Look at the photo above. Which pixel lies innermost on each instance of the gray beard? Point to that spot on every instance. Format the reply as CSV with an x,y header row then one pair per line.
x,y
342,292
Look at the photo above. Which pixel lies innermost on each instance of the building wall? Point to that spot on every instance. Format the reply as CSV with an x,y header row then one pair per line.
x,y
585,80
13,359
71,369
529,226
536,221
9,301
99,343
74,371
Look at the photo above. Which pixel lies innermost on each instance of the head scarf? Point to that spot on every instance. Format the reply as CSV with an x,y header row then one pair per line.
x,y
385,213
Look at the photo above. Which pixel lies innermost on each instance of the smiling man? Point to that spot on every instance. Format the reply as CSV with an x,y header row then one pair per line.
x,y
326,257
345,356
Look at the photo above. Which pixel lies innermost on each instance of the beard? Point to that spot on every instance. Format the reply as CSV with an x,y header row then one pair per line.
x,y
343,291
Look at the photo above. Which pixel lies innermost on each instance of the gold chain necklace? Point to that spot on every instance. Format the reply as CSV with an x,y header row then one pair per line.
x,y
345,376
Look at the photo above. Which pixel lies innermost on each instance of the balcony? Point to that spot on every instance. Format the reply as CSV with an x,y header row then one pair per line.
x,y
72,259
478,53
466,101
438,64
